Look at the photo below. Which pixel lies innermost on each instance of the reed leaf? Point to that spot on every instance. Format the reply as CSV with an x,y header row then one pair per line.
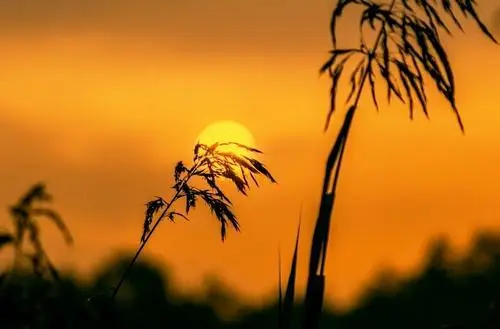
x,y
408,47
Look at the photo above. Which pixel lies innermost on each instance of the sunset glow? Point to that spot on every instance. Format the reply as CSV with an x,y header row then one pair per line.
x,y
101,103
227,132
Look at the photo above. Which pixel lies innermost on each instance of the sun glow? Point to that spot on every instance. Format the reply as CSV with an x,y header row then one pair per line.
x,y
227,131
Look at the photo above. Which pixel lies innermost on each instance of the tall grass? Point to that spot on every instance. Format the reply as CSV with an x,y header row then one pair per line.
x,y
406,55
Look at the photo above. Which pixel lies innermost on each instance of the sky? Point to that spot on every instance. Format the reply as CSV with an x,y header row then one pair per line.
x,y
99,100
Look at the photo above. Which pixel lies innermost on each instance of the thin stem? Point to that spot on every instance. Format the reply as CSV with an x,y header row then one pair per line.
x,y
160,218
352,110
371,55
315,283
347,125
334,188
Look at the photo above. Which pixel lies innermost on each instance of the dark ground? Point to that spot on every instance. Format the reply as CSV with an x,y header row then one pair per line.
x,y
449,290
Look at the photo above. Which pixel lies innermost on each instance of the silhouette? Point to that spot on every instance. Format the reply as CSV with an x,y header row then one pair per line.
x,y
448,291
285,303
210,163
25,215
406,51
35,297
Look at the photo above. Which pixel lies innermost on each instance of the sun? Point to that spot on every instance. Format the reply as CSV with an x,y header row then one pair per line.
x,y
227,131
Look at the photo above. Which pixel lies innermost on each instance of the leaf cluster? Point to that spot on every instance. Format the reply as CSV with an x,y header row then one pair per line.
x,y
25,214
407,50
211,164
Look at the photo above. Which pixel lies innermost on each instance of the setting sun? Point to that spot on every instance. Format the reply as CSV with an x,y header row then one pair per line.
x,y
254,163
227,131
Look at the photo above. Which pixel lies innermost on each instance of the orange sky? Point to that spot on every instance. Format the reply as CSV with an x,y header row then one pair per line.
x,y
99,100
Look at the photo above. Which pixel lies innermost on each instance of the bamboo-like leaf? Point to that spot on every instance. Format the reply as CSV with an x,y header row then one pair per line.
x,y
468,6
413,28
385,69
406,86
261,169
356,76
371,79
412,85
370,14
254,179
334,54
245,147
389,80
446,4
335,76
333,92
434,19
337,13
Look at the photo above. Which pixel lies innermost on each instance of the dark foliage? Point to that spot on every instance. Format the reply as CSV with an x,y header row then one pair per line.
x,y
25,215
448,291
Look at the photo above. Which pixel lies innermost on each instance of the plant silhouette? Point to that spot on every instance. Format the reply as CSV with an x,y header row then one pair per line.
x,y
210,164
406,54
445,290
25,215
285,303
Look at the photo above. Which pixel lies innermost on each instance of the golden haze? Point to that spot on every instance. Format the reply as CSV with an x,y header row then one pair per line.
x,y
101,109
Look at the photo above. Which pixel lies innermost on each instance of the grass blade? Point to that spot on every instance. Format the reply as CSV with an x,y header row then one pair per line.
x,y
290,288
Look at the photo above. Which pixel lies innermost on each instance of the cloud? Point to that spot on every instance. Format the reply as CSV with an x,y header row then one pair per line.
x,y
203,24
89,181
292,26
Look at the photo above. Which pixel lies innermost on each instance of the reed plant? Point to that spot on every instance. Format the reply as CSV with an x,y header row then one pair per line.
x,y
25,237
211,165
405,58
